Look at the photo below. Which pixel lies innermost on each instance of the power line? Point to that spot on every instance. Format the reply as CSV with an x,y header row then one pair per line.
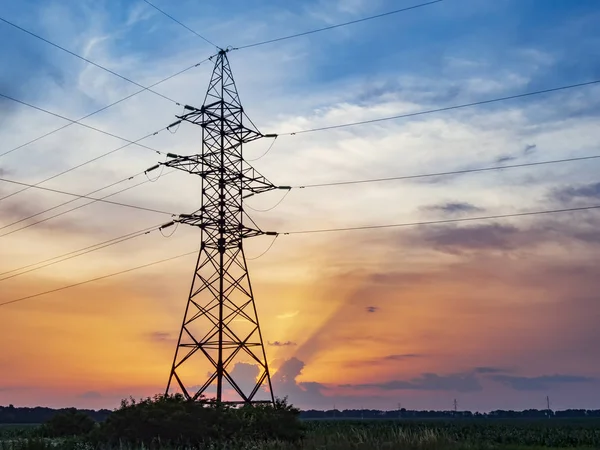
x,y
57,191
448,108
82,164
437,222
87,60
183,25
101,109
306,232
73,200
77,254
119,238
71,123
263,253
454,172
389,13
64,212
268,150
10,302
272,207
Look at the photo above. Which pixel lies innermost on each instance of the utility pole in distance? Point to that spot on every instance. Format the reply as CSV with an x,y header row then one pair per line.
x,y
220,326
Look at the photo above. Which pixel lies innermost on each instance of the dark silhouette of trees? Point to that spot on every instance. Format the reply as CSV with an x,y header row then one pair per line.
x,y
10,414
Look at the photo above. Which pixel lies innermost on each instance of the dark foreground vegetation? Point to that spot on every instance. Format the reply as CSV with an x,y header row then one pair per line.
x,y
37,415
172,423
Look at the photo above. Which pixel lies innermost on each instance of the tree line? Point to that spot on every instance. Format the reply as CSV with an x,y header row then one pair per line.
x,y
16,415
431,414
39,414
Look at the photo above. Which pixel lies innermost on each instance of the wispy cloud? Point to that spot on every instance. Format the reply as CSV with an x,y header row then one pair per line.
x,y
288,315
455,208
282,344
427,382
540,383
590,191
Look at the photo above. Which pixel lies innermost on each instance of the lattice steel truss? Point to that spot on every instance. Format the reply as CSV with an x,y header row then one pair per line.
x,y
220,324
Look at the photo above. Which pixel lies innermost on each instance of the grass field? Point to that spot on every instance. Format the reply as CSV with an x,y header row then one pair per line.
x,y
374,434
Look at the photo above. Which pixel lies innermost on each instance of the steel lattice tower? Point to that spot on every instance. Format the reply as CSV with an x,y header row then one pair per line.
x,y
220,324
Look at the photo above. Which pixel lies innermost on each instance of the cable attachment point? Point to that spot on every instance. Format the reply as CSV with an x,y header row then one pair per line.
x,y
152,168
272,135
285,188
174,123
271,233
167,225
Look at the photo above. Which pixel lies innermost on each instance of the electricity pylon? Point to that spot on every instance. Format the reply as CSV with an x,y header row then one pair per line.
x,y
220,324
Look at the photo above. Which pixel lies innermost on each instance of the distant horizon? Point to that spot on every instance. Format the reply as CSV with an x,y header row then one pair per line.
x,y
450,411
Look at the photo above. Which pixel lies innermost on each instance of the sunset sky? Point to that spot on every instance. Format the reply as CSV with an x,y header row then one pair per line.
x,y
494,313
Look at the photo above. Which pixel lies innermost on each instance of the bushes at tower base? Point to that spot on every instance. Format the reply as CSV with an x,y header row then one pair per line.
x,y
173,420
68,422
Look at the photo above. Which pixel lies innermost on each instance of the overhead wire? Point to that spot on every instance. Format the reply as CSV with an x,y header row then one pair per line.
x,y
389,13
58,191
444,221
76,254
28,297
306,232
21,102
112,241
182,24
31,216
447,108
101,109
441,174
46,219
265,153
81,164
86,60
263,253
272,207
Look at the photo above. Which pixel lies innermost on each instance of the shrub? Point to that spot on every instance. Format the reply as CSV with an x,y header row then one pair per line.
x,y
173,420
68,422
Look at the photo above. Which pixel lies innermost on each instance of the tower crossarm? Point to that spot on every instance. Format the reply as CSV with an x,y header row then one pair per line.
x,y
210,225
249,180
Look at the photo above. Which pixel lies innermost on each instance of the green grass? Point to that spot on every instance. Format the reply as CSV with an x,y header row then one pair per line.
x,y
381,434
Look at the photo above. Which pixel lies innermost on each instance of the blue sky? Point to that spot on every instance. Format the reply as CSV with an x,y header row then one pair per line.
x,y
525,287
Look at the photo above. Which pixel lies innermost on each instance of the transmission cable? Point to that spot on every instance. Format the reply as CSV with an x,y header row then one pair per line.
x,y
444,221
448,108
74,122
101,109
272,207
265,153
82,164
46,219
87,60
440,174
389,13
183,25
57,191
96,279
103,244
69,201
81,253
263,253
306,232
